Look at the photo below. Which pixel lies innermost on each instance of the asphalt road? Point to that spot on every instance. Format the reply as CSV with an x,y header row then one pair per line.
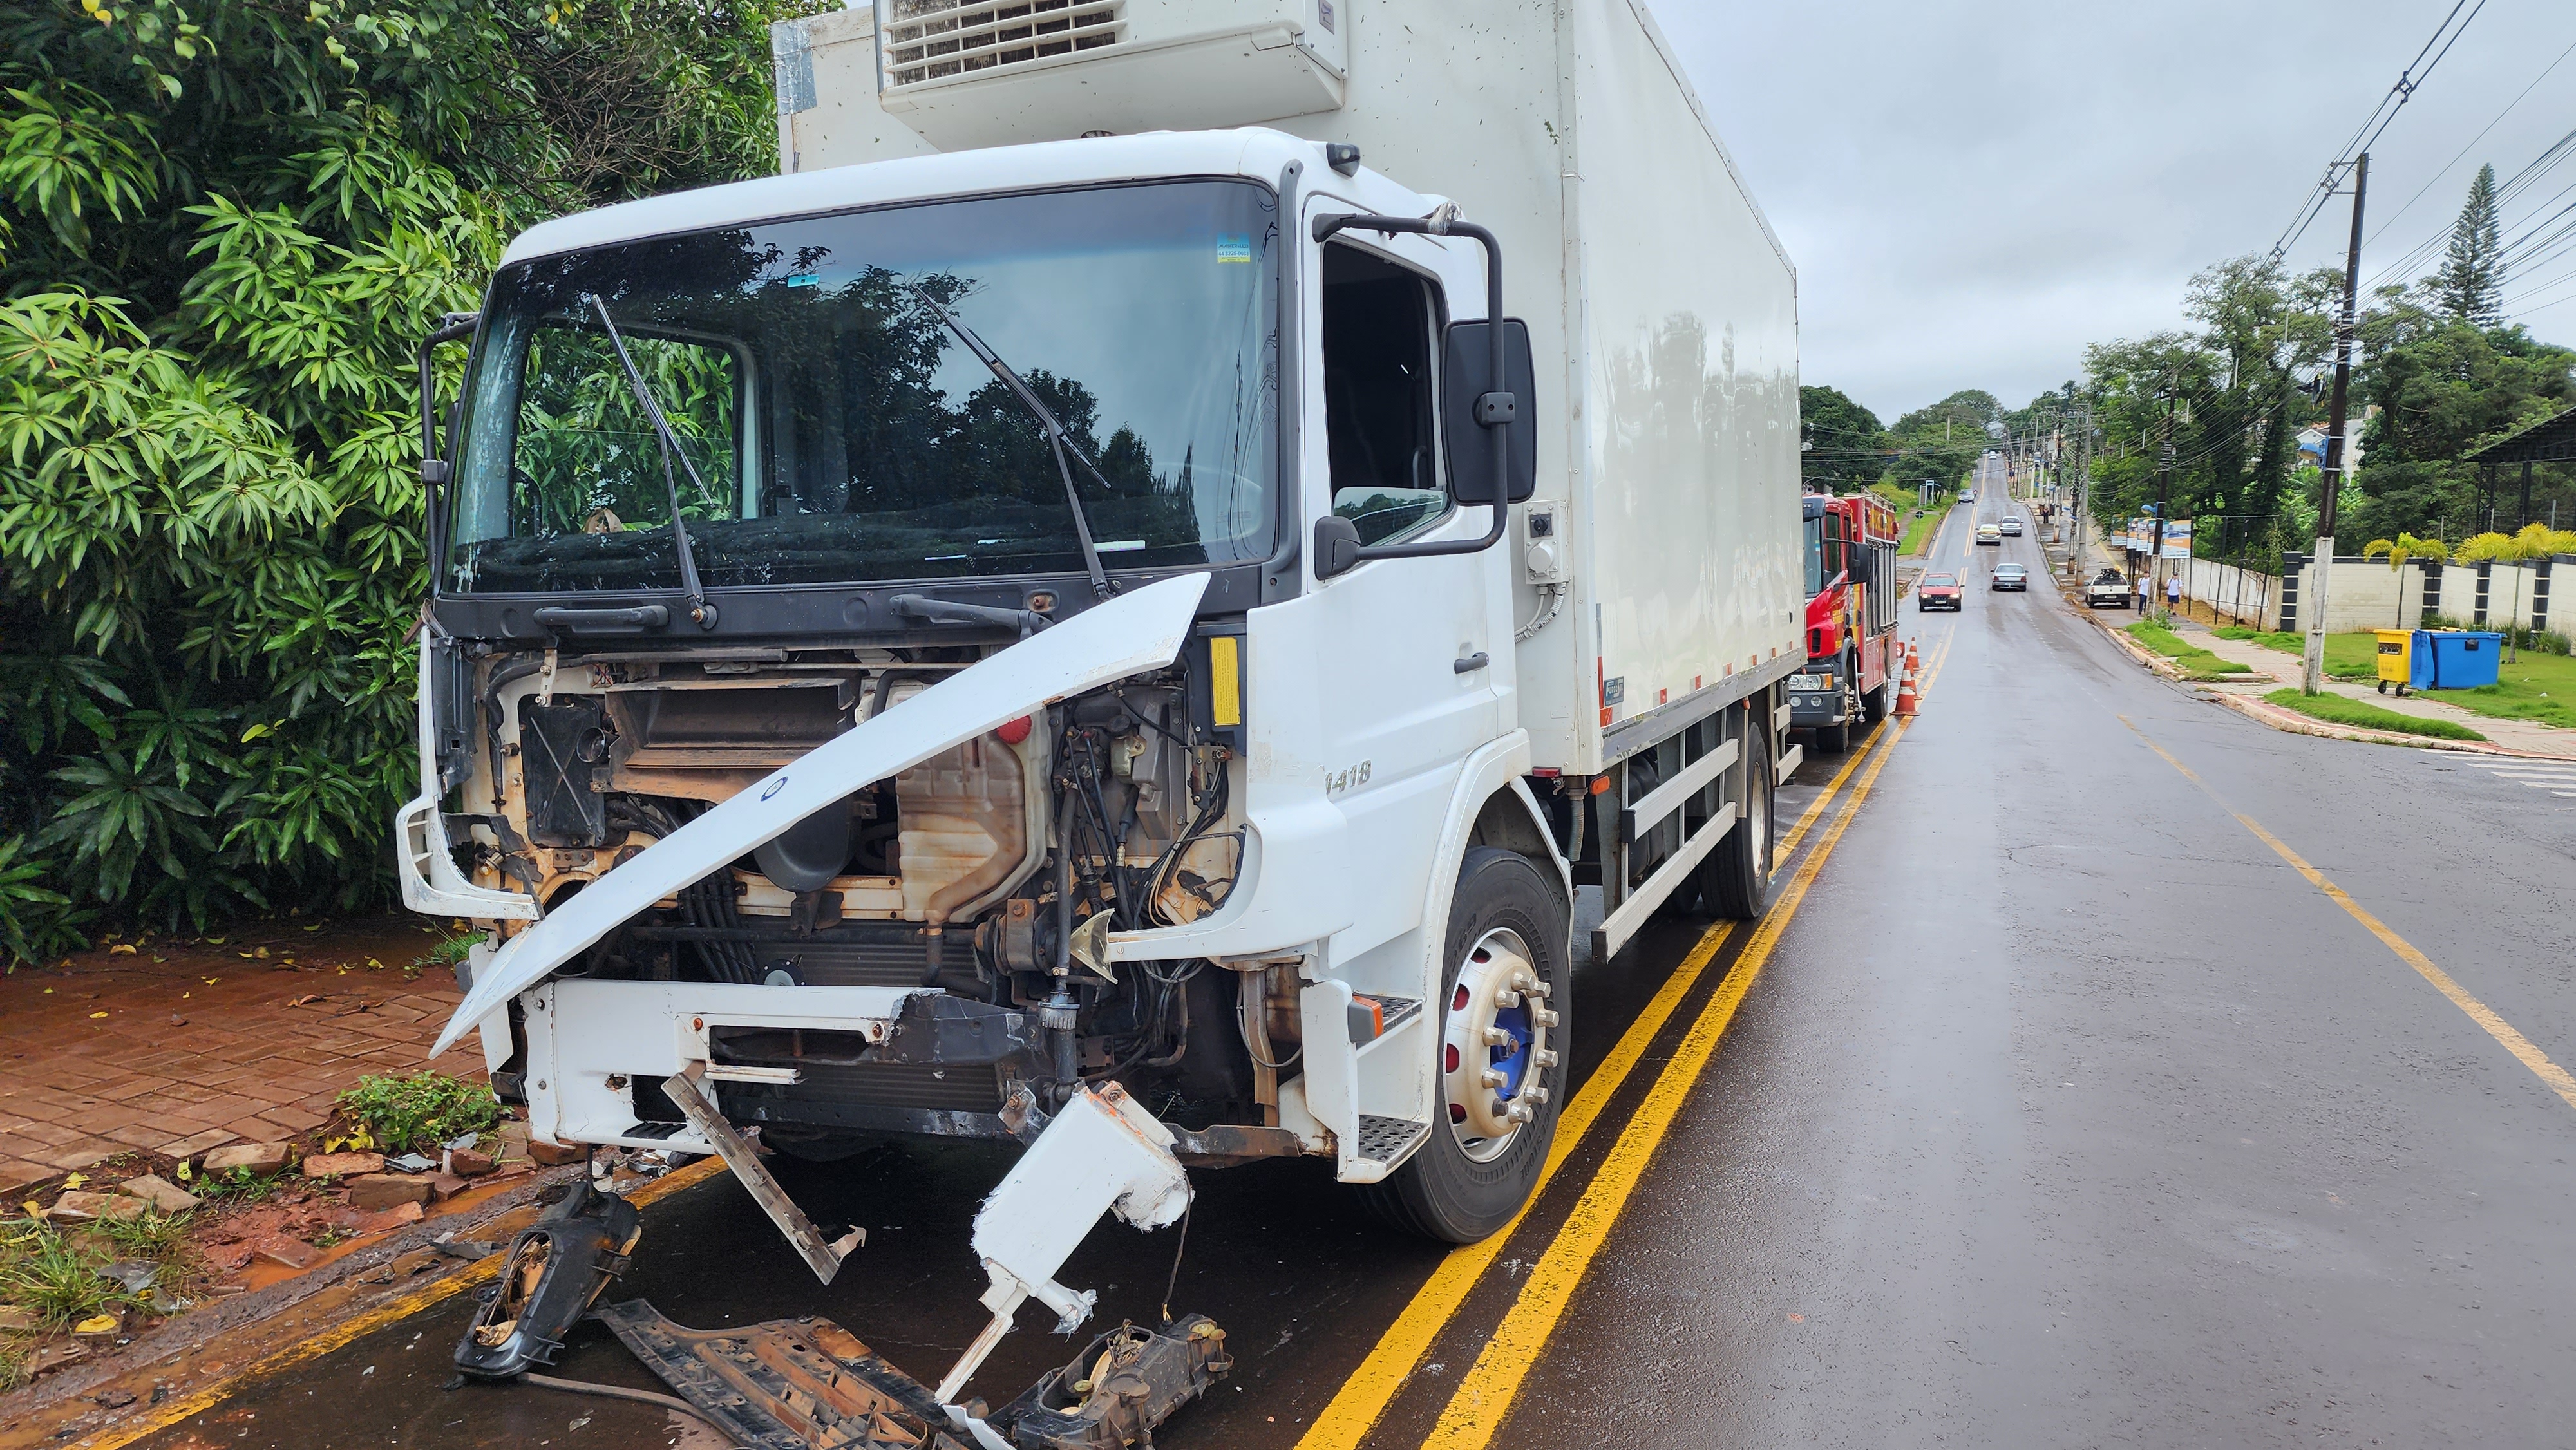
x,y
2058,1108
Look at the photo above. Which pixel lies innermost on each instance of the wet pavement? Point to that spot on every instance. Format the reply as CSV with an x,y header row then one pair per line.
x,y
2064,1111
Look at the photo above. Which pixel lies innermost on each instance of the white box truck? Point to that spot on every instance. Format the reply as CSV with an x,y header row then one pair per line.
x,y
1066,588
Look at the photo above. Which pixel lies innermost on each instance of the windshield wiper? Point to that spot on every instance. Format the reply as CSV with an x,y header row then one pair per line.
x,y
699,609
1057,439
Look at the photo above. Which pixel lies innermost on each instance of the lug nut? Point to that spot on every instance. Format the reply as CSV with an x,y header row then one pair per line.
x,y
1547,1057
1544,1016
1495,1077
1497,1037
1535,1093
1507,998
1519,1113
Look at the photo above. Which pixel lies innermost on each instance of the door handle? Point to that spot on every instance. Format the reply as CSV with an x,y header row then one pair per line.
x,y
1470,664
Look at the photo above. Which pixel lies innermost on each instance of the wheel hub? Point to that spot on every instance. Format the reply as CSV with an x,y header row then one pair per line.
x,y
1495,1045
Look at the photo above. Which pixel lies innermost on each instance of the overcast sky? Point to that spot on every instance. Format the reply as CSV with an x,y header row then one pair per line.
x,y
1974,191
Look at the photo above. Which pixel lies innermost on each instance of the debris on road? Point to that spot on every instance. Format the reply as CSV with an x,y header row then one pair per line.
x,y
557,1269
794,1384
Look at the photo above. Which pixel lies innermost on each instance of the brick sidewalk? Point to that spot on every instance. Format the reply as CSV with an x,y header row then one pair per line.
x,y
118,1051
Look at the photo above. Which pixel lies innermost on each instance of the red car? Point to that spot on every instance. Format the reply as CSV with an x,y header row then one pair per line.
x,y
1938,591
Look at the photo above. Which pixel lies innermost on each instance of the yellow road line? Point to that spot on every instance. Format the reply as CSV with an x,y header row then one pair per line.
x,y
1356,1406
1476,1411
2560,1081
348,1331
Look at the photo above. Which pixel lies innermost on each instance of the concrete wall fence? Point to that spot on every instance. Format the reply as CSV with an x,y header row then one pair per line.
x,y
2367,594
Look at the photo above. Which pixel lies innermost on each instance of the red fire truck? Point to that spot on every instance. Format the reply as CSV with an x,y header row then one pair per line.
x,y
1853,658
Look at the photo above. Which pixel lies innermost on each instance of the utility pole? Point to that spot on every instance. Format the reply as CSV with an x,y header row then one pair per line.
x,y
2312,660
2164,497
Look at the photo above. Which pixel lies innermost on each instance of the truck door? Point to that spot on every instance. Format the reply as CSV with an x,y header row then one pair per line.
x,y
1419,669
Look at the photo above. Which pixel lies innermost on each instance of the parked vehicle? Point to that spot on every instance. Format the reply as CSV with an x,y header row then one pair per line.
x,y
1939,591
923,641
1853,658
1990,534
2109,588
2009,576
2011,526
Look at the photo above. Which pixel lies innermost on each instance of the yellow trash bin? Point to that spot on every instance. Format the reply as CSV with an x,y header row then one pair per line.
x,y
2396,658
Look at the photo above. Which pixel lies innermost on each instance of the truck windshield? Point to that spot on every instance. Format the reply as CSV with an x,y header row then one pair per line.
x,y
841,432
1815,549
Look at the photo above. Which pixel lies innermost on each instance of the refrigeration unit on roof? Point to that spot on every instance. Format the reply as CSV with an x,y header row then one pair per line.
x,y
967,73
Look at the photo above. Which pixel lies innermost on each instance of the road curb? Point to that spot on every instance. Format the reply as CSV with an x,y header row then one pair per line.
x,y
333,1314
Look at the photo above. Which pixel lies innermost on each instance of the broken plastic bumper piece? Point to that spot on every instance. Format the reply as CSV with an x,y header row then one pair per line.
x,y
809,1384
558,1266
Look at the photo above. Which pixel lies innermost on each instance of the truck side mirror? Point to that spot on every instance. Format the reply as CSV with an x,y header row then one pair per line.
x,y
1482,414
1337,546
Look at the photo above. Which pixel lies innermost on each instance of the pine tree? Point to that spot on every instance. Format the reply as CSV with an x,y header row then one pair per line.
x,y
2472,276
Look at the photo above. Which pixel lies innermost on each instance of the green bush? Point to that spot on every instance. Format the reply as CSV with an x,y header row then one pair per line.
x,y
223,230
406,1114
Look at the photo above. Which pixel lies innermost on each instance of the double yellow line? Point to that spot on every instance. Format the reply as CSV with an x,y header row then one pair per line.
x,y
1476,1410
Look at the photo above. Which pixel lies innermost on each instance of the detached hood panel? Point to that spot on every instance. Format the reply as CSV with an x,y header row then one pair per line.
x,y
1139,631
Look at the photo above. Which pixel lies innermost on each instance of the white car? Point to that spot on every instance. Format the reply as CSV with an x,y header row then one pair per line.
x,y
2012,528
1990,534
1967,495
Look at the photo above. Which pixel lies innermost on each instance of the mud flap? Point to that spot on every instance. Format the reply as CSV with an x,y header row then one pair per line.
x,y
809,1384
558,1266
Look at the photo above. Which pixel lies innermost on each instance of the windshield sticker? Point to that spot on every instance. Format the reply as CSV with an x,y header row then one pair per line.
x,y
1237,248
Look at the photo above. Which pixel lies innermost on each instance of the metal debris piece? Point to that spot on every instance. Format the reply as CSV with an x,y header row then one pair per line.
x,y
788,1384
824,1258
1102,1152
558,1267
133,1274
1123,1384
413,1163
809,1384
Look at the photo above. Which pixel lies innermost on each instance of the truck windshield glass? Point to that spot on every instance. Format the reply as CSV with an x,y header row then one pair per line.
x,y
843,434
1815,557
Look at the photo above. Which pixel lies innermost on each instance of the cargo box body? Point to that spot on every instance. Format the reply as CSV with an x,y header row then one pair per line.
x,y
1657,573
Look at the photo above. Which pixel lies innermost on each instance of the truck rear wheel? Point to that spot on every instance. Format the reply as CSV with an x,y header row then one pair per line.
x,y
1508,976
1735,880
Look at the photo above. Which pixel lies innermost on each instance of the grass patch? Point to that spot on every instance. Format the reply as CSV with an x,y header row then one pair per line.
x,y
238,1185
2537,687
420,1111
2337,710
58,1279
2350,656
1918,534
2174,647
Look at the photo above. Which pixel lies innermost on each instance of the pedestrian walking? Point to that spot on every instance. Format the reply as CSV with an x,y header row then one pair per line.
x,y
2173,593
2140,585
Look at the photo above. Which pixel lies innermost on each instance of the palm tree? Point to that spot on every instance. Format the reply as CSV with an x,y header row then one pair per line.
x,y
2536,541
2404,547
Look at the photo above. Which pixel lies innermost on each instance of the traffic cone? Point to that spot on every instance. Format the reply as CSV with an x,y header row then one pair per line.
x,y
1908,703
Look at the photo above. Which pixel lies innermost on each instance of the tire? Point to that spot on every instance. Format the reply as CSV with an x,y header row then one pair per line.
x,y
1735,880
2383,687
1457,1187
1833,739
1873,704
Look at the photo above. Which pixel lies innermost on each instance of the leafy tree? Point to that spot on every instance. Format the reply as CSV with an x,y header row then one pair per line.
x,y
223,229
2440,387
1846,449
2471,282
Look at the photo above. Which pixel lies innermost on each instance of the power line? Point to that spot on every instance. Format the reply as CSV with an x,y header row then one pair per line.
x,y
2444,169
2377,122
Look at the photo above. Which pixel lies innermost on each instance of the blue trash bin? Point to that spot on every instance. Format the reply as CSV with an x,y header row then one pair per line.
x,y
2419,662
2464,659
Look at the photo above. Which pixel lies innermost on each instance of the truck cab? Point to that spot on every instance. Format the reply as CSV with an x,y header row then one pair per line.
x,y
914,640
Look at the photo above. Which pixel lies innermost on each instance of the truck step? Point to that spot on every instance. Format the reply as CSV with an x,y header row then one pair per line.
x,y
1386,1140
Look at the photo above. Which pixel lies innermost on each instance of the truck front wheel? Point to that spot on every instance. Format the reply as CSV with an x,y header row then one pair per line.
x,y
1503,1019
1735,880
